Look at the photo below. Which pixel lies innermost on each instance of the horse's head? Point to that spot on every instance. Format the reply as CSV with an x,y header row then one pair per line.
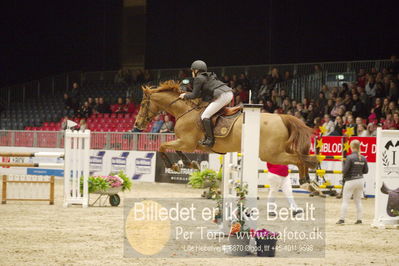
x,y
147,110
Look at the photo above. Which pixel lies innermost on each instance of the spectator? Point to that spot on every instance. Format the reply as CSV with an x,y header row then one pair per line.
x,y
388,123
378,108
329,107
358,108
129,106
361,131
393,91
316,126
85,110
371,87
269,107
396,120
337,106
276,98
156,127
167,126
91,102
82,124
312,114
321,101
328,124
287,75
350,122
392,108
67,103
361,78
243,81
371,130
338,126
74,95
102,107
263,90
274,78
286,105
385,107
119,107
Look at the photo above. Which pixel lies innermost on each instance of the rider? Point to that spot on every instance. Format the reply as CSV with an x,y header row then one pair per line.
x,y
207,87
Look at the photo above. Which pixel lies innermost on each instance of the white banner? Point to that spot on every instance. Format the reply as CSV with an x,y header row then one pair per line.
x,y
138,165
387,179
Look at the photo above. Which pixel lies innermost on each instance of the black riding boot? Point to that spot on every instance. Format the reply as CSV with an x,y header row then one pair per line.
x,y
209,139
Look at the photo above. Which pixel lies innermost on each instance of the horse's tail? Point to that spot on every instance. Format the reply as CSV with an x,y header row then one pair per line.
x,y
299,140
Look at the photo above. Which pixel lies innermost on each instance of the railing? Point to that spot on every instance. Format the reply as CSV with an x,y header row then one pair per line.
x,y
55,85
99,140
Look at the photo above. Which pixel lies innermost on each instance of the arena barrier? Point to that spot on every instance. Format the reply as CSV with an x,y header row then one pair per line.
x,y
76,170
28,188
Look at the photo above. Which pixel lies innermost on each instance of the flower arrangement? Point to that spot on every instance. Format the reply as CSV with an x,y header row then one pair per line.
x,y
264,234
102,183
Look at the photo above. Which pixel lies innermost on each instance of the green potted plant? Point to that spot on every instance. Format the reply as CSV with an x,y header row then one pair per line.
x,y
206,179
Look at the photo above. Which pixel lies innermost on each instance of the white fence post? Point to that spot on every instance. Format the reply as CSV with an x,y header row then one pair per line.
x,y
76,159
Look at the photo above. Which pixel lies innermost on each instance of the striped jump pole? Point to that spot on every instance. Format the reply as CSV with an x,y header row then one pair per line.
x,y
41,165
318,171
32,154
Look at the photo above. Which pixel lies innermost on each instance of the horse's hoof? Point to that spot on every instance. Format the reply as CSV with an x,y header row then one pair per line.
x,y
175,167
194,165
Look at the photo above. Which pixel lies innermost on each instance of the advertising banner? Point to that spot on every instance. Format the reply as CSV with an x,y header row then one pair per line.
x,y
167,175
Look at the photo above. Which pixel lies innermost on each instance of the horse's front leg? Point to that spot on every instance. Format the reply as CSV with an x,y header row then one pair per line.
x,y
187,162
178,145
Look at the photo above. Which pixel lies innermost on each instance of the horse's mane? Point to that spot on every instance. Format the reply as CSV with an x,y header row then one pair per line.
x,y
170,85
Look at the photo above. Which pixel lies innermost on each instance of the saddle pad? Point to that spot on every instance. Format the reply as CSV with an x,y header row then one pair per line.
x,y
224,124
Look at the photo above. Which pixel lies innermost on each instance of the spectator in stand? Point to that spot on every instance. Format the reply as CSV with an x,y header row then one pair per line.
x,y
358,108
345,90
371,87
91,102
385,107
361,78
338,104
393,90
243,81
167,126
156,127
129,106
321,102
298,115
287,75
316,126
371,130
361,131
394,66
338,126
85,110
372,117
226,79
263,90
269,107
68,106
365,100
274,78
388,122
301,110
102,107
328,107
74,95
379,92
119,107
276,98
350,123
328,124
396,120
82,124
312,114
386,84
286,105
392,108
378,108
243,95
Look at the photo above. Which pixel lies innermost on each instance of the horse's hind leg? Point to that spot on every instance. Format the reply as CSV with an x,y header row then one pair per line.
x,y
186,161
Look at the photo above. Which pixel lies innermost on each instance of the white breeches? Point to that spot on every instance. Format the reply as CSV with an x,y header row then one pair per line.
x,y
276,182
223,100
355,188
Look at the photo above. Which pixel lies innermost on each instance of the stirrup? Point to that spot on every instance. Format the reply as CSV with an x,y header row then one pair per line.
x,y
207,142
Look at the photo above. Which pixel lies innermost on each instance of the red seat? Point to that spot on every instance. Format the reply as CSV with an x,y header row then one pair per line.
x,y
127,115
45,124
120,115
113,115
106,115
100,115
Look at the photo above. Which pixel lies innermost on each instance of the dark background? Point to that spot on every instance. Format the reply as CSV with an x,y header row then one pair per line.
x,y
41,38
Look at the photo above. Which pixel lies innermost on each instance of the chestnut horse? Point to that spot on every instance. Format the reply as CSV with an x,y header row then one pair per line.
x,y
284,139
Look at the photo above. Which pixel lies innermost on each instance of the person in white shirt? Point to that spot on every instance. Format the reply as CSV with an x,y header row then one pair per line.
x,y
328,124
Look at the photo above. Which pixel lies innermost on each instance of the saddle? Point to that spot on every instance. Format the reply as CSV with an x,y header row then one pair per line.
x,y
224,120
